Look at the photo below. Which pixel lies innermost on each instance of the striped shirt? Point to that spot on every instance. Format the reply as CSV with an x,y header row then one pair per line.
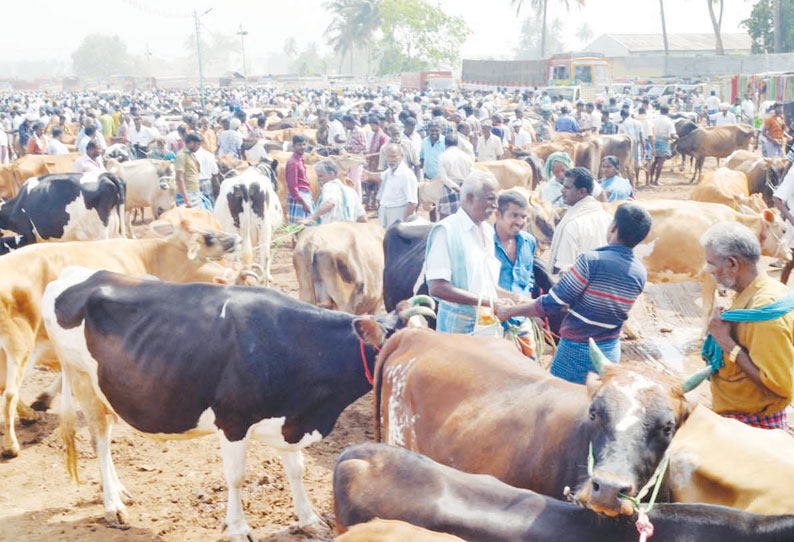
x,y
599,291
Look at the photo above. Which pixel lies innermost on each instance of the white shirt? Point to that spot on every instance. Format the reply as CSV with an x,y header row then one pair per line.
x,y
207,164
55,147
229,142
339,194
336,128
454,166
727,118
489,149
398,187
663,127
522,138
596,118
4,143
712,103
141,137
482,267
748,109
585,229
85,164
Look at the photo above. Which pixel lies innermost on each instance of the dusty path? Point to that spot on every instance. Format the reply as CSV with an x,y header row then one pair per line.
x,y
179,488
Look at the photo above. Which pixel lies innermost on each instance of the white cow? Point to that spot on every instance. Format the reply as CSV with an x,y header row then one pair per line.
x,y
149,184
248,205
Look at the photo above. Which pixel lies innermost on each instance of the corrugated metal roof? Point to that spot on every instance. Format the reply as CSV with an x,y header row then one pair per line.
x,y
682,42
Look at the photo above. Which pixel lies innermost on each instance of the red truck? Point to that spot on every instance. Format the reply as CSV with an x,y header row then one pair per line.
x,y
438,80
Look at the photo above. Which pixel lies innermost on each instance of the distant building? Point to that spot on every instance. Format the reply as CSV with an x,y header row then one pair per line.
x,y
652,45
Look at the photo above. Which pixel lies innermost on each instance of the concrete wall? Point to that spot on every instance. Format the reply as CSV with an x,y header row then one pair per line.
x,y
703,66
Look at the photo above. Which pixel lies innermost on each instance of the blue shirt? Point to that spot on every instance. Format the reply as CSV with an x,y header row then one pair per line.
x,y
617,188
599,291
430,154
566,123
517,277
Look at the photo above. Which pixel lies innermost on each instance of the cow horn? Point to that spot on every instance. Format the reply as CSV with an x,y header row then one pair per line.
x,y
416,311
696,379
259,269
248,273
425,300
597,357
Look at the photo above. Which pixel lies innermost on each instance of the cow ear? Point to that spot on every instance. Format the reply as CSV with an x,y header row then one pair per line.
x,y
370,331
162,228
193,248
593,384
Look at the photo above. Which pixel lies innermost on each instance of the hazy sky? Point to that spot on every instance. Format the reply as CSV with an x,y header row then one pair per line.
x,y
52,29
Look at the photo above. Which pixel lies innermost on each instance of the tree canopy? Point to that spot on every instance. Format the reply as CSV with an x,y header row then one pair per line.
x,y
101,55
418,35
760,26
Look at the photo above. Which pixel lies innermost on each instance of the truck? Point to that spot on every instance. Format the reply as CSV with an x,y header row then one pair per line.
x,y
589,71
434,80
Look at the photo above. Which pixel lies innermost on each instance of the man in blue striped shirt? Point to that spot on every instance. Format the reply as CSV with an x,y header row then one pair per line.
x,y
598,291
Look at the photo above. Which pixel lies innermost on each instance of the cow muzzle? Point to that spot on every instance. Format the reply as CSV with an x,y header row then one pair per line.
x,y
604,493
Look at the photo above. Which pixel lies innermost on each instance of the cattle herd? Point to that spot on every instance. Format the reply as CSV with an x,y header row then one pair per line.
x,y
178,335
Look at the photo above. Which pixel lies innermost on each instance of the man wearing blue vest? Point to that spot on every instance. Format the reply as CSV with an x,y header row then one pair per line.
x,y
460,267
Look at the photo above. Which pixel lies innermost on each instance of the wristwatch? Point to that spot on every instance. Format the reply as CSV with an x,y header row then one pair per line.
x,y
734,353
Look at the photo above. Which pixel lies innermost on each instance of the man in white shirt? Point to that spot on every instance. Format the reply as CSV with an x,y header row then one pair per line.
x,y
398,193
663,133
140,136
748,110
520,136
584,225
464,132
460,268
229,141
337,202
489,147
54,144
336,134
712,105
90,161
4,148
208,168
454,166
724,116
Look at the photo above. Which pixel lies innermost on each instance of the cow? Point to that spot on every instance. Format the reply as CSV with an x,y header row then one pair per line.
x,y
510,173
181,257
683,126
723,461
248,205
14,175
246,378
121,152
721,186
587,154
543,150
66,207
716,141
150,184
388,530
379,481
340,266
436,393
763,174
622,147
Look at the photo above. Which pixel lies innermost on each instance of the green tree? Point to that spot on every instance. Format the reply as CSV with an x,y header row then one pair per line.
x,y
584,34
541,6
761,24
716,23
418,35
353,25
532,34
101,55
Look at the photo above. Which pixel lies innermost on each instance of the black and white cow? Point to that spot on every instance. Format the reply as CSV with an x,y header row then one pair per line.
x,y
248,206
121,152
64,207
181,361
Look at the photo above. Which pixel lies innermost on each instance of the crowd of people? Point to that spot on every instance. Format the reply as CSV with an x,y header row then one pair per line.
x,y
402,139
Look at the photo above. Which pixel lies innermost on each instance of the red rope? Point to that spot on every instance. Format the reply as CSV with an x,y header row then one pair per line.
x,y
367,372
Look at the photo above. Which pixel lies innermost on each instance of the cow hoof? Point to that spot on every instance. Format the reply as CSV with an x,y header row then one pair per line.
x,y
10,453
117,519
248,537
314,524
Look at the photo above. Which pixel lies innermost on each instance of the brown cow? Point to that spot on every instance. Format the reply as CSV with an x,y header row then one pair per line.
x,y
437,393
620,146
721,186
543,150
763,174
716,141
340,266
14,175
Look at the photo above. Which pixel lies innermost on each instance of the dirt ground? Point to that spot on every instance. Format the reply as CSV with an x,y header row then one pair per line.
x,y
178,486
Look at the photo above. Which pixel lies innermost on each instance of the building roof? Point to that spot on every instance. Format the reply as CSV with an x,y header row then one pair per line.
x,y
681,42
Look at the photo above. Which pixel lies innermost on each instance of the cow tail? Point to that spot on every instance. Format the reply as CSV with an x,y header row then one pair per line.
x,y
121,190
68,418
377,386
266,234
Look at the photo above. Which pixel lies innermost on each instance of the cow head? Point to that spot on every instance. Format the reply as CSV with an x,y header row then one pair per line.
x,y
164,199
200,244
542,219
772,235
633,414
409,313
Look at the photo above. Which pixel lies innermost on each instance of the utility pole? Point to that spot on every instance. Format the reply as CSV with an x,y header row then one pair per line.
x,y
148,55
242,33
196,17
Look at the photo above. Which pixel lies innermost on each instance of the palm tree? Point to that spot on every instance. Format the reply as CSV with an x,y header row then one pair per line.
x,y
717,23
664,29
541,6
353,23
